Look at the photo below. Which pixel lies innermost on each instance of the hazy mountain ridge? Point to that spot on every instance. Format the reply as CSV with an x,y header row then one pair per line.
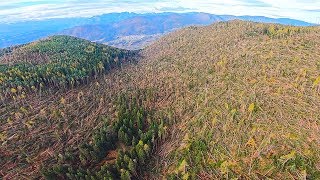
x,y
28,31
110,27
155,24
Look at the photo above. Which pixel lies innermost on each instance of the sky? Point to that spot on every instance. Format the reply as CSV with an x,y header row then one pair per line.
x,y
22,10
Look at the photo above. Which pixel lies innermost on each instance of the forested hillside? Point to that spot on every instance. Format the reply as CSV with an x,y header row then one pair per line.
x,y
58,61
230,100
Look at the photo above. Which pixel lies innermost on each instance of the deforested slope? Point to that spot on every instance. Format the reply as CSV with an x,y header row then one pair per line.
x,y
231,100
250,100
37,81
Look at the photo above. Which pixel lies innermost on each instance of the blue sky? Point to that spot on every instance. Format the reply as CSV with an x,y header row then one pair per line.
x,y
21,10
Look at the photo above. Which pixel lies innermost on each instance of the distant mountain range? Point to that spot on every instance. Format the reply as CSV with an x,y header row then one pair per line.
x,y
124,30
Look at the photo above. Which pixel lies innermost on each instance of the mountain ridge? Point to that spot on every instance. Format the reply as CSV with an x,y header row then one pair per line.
x,y
24,32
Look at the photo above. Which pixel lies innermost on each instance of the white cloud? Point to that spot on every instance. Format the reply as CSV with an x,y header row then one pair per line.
x,y
20,10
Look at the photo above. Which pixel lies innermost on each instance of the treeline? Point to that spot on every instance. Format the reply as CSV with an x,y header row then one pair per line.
x,y
278,31
131,136
72,62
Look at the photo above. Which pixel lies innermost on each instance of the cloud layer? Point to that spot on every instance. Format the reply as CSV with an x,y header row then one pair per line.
x,y
22,10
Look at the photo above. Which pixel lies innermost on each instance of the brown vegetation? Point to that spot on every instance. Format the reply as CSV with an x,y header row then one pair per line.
x,y
242,102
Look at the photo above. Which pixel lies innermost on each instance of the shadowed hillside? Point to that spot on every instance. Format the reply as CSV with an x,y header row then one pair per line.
x,y
231,100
